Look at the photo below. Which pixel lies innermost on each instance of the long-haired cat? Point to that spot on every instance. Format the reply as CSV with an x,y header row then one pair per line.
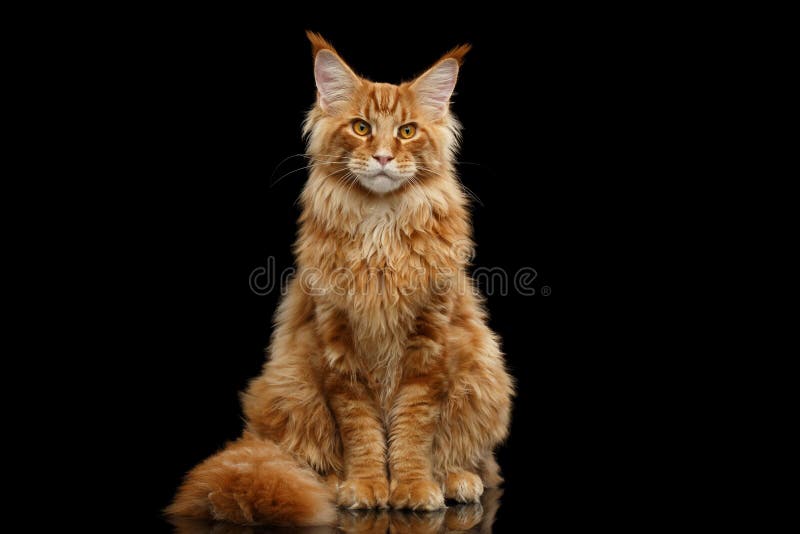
x,y
384,387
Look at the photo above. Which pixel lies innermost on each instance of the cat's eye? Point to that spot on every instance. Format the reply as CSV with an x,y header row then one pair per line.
x,y
407,131
361,127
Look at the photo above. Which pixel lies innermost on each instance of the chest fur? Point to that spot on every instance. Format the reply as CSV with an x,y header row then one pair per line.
x,y
379,261
380,271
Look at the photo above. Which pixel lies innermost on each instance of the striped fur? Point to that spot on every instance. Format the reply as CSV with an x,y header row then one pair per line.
x,y
384,387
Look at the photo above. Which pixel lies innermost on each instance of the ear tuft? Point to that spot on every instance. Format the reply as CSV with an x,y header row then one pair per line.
x,y
458,53
336,82
318,43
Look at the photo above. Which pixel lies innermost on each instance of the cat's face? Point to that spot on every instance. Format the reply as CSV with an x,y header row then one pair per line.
x,y
378,135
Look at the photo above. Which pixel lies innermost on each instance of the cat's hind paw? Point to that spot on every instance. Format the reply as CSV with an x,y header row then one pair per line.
x,y
463,486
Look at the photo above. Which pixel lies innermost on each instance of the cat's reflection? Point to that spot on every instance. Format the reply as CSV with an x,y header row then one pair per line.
x,y
464,518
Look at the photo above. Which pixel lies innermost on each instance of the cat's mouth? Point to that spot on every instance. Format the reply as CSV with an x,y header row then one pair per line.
x,y
381,182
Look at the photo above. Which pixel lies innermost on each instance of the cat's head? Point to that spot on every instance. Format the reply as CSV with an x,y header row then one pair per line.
x,y
378,135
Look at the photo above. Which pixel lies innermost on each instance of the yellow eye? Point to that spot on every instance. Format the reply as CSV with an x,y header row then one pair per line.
x,y
361,127
407,131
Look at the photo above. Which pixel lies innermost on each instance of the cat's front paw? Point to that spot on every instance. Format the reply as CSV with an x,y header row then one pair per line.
x,y
463,486
363,493
416,495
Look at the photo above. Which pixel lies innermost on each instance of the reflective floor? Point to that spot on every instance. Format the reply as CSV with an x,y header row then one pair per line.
x,y
468,518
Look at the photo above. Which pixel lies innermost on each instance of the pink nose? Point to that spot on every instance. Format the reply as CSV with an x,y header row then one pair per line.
x,y
383,160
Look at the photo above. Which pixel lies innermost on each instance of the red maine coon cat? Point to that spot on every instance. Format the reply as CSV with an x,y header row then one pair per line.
x,y
384,387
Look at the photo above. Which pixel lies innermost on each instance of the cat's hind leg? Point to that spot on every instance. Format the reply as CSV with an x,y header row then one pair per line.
x,y
476,411
286,404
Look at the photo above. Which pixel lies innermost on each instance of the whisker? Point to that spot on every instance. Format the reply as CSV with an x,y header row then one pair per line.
x,y
324,177
335,157
310,166
418,187
290,172
481,165
469,192
353,179
284,160
315,158
335,172
468,163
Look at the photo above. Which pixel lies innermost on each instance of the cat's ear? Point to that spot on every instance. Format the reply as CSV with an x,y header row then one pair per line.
x,y
435,86
336,82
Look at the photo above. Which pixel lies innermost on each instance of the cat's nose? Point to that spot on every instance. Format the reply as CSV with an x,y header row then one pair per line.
x,y
383,160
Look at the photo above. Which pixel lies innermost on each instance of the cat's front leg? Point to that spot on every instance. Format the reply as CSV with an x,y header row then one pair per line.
x,y
365,483
415,414
413,423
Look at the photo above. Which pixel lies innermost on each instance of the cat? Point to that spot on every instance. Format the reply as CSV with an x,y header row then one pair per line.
x,y
384,386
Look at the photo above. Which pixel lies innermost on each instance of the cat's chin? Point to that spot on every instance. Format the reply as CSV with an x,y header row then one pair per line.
x,y
380,183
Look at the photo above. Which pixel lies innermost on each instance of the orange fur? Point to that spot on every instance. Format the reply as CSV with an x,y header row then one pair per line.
x,y
252,481
458,53
382,375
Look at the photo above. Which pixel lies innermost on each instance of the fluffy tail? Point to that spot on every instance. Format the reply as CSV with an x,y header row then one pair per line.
x,y
253,482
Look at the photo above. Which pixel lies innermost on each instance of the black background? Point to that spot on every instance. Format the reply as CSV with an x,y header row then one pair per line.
x,y
209,106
